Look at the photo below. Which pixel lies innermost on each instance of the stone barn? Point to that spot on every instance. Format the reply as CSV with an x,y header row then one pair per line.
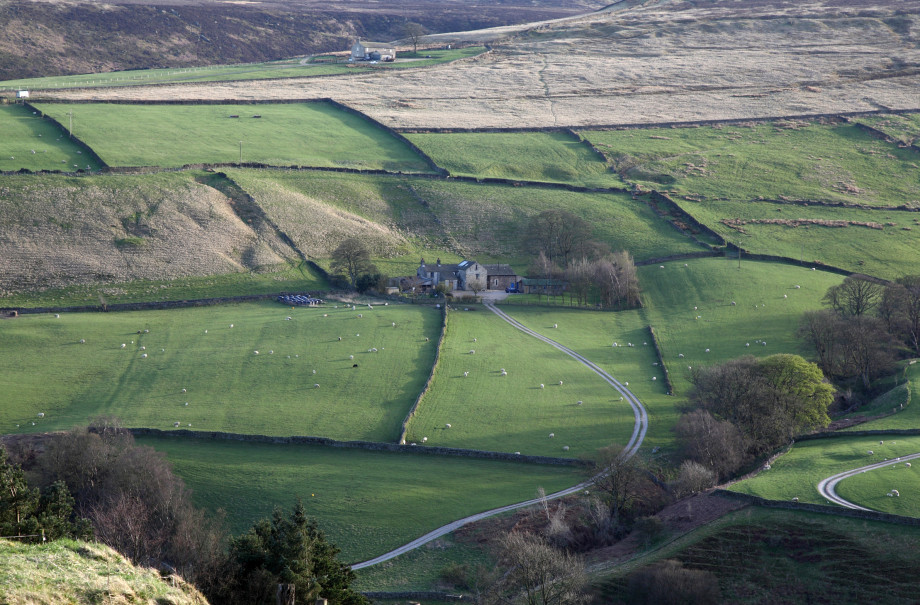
x,y
500,276
372,51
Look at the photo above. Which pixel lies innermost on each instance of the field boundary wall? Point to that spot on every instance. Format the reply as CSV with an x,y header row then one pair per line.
x,y
674,208
880,134
820,508
863,433
422,596
792,261
667,375
373,446
158,304
425,389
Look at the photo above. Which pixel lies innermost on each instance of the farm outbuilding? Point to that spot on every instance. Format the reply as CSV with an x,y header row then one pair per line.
x,y
500,276
463,275
553,287
372,51
22,94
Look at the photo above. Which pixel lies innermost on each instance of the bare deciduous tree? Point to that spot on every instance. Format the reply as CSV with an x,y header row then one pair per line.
x,y
855,296
537,573
351,258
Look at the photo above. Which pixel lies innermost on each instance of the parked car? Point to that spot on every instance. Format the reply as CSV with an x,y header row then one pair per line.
x,y
512,289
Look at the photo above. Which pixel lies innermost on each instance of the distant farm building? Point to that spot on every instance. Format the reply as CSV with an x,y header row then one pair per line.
x,y
22,94
462,276
372,51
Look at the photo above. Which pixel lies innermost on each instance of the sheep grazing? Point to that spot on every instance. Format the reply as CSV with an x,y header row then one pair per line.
x,y
542,386
255,352
146,331
797,287
655,363
325,315
472,352
56,316
394,325
626,383
184,390
231,325
369,306
579,402
504,373
176,424
644,344
316,386
143,348
144,356
870,452
785,296
680,355
427,339
205,331
424,439
764,343
474,340
357,335
123,345
881,443
186,403
351,357
696,308
699,317
707,350
734,303
517,453
447,426
466,374
767,467
41,414
560,383
907,464
614,344
314,371
360,315
555,325
796,499
747,344
661,266
621,399
565,448
895,493
654,378
287,319
340,339
686,265
551,435
82,341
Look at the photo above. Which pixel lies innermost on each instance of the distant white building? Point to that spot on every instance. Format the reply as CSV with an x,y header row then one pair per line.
x,y
372,51
22,94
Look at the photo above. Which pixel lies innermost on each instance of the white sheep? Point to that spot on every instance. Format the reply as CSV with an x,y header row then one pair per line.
x,y
747,344
144,356
351,357
143,348
707,350
472,352
504,373
466,373
426,339
655,363
176,424
82,341
565,448
447,426
542,386
357,335
654,378
881,443
686,265
314,371
626,383
767,467
123,345
797,287
661,266
579,402
231,325
551,435
316,386
907,464
57,316
870,452
340,339
555,325
474,340
785,296
517,453
394,325
764,343
184,390
680,355
614,344
644,344
255,352
360,315
560,383
733,303
696,308
186,403
287,319
895,493
41,414
796,499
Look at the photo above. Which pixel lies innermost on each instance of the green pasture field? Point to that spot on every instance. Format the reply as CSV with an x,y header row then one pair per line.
x,y
800,160
768,308
529,156
869,489
904,128
367,502
229,387
888,252
512,413
906,393
797,473
303,134
435,214
669,297
764,555
283,278
24,133
287,68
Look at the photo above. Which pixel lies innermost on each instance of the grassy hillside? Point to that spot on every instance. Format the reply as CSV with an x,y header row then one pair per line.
x,y
404,217
907,393
904,128
535,156
82,573
884,243
366,502
35,144
229,386
777,556
797,473
798,160
59,230
310,134
512,413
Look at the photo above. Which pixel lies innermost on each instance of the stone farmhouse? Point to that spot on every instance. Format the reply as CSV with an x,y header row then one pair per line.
x,y
372,51
465,275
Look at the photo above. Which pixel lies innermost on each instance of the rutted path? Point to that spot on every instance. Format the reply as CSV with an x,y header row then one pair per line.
x,y
827,487
639,430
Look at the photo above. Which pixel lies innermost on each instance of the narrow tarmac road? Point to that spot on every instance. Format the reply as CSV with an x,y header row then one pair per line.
x,y
638,435
827,487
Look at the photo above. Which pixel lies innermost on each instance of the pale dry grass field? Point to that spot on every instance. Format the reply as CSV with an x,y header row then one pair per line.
x,y
645,63
60,230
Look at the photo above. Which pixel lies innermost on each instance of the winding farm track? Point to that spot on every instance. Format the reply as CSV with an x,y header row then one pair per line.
x,y
827,487
638,435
